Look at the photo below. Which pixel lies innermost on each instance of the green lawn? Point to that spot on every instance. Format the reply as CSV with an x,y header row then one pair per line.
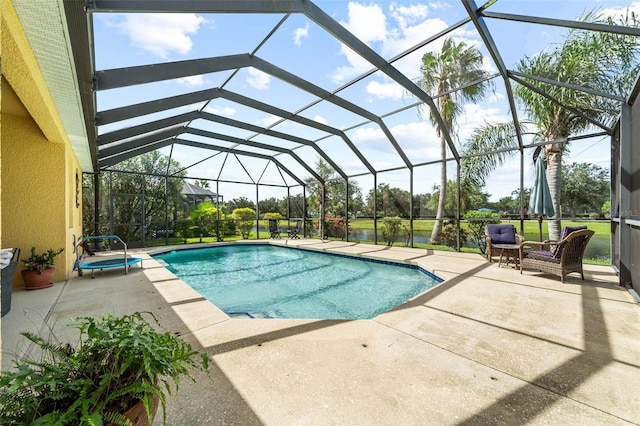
x,y
424,228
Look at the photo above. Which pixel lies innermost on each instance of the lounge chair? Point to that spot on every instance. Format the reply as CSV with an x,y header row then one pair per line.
x,y
274,231
9,259
556,257
500,234
293,232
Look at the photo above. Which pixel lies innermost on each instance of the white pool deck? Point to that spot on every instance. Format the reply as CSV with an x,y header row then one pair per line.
x,y
487,346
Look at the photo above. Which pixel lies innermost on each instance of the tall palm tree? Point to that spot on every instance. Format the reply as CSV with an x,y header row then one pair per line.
x,y
600,61
457,65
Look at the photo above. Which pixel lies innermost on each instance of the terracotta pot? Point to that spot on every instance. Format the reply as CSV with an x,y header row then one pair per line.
x,y
138,415
34,281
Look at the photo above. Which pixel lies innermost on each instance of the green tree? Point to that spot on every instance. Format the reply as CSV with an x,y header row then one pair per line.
x,y
391,201
240,202
202,183
455,66
271,204
126,182
585,187
244,217
206,220
420,202
599,61
471,197
334,194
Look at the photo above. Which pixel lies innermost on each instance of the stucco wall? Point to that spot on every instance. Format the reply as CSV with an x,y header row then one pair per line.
x,y
33,189
38,166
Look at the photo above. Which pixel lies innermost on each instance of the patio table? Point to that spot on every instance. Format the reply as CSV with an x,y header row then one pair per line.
x,y
511,253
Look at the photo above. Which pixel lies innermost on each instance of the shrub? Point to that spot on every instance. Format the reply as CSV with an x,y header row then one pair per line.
x,y
477,222
244,218
449,232
334,226
117,362
391,229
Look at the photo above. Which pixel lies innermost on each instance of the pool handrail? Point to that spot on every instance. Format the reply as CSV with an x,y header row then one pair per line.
x,y
100,237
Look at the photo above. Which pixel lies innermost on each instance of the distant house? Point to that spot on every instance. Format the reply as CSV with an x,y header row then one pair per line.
x,y
194,194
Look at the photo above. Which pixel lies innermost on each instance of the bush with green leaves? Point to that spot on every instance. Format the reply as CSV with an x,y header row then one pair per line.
x,y
477,222
245,218
391,229
449,234
117,362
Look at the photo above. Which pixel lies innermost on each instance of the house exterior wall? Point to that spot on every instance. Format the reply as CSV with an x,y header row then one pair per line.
x,y
38,165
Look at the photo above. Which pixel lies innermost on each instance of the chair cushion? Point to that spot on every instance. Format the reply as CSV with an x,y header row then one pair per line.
x,y
544,255
565,232
569,229
502,234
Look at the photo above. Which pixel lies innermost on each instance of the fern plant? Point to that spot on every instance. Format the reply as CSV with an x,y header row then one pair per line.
x,y
117,362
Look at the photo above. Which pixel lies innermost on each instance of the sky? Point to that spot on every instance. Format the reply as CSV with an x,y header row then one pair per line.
x,y
304,49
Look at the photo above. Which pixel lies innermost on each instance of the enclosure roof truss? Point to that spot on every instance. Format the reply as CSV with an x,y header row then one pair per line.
x,y
115,146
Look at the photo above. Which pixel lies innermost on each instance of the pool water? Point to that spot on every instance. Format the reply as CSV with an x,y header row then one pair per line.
x,y
263,281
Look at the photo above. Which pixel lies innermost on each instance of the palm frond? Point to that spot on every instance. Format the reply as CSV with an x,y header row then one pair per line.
x,y
484,151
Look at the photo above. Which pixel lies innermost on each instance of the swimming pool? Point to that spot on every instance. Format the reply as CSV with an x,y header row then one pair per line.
x,y
265,281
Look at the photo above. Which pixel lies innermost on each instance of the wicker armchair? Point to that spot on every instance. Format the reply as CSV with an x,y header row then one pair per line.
x,y
556,257
500,234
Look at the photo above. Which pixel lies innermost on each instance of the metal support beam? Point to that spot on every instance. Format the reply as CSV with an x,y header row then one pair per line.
x,y
238,141
176,121
625,167
567,85
481,27
556,101
580,25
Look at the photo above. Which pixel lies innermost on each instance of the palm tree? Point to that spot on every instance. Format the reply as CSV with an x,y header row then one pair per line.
x,y
455,66
599,61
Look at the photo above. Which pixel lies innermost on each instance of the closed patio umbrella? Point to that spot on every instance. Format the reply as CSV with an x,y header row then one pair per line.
x,y
540,202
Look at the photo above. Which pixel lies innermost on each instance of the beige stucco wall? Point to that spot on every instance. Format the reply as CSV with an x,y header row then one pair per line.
x,y
38,166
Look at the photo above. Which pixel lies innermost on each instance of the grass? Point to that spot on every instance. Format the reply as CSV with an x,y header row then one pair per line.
x,y
424,227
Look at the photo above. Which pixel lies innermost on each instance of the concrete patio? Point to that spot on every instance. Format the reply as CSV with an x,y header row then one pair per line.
x,y
487,346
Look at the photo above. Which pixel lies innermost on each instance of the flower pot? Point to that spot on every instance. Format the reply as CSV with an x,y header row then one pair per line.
x,y
138,415
34,280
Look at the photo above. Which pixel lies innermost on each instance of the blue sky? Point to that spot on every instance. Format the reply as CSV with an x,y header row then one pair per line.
x,y
306,50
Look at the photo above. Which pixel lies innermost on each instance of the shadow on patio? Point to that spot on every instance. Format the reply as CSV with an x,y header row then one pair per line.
x,y
488,345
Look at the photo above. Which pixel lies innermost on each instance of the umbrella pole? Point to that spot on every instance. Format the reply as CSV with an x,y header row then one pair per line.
x,y
540,226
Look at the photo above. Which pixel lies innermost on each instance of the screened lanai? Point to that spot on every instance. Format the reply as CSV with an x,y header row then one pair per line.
x,y
291,99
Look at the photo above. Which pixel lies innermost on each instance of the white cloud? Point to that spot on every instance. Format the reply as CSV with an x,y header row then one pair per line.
x,y
406,27
407,15
269,120
320,119
621,11
367,22
385,90
191,81
496,97
300,34
213,109
257,79
475,116
161,34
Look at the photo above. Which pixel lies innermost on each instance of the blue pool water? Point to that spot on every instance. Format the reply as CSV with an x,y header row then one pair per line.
x,y
263,281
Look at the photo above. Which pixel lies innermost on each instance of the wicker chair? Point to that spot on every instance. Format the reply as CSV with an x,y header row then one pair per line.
x,y
556,257
500,234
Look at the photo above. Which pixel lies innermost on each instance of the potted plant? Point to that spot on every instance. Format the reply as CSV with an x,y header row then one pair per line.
x,y
120,367
39,269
